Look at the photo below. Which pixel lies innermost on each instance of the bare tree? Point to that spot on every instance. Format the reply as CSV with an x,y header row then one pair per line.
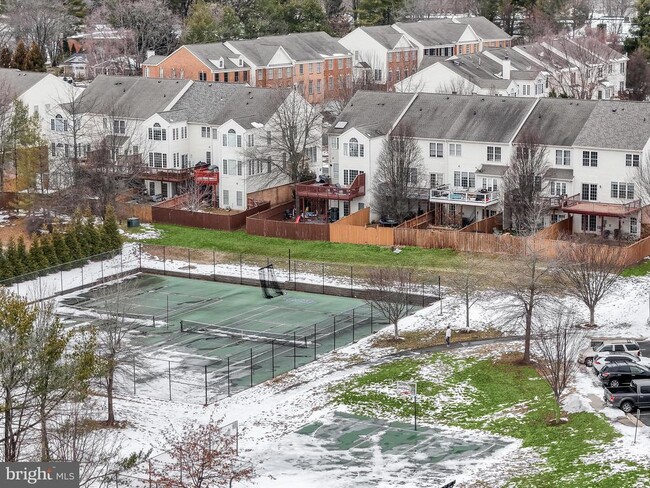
x,y
525,279
399,175
389,292
590,272
557,345
292,134
76,437
524,186
195,196
202,456
44,22
466,281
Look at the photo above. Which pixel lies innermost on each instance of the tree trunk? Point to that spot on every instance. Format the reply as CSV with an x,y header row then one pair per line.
x,y
529,327
45,445
396,331
467,313
592,314
110,376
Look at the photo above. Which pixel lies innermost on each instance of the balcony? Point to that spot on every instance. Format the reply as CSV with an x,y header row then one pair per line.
x,y
206,177
327,191
165,174
474,198
575,205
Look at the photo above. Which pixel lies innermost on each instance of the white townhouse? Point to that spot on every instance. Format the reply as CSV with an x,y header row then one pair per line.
x,y
225,126
594,149
501,71
42,94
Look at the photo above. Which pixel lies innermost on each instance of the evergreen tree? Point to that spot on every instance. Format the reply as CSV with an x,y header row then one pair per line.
x,y
20,56
73,246
110,233
34,60
47,248
201,25
91,236
230,25
76,8
60,248
22,255
37,259
640,34
5,272
6,58
378,12
305,16
77,227
13,264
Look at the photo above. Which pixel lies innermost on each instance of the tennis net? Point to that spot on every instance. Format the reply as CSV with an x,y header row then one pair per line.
x,y
248,335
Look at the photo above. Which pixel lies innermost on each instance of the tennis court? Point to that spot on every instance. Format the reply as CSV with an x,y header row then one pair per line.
x,y
205,340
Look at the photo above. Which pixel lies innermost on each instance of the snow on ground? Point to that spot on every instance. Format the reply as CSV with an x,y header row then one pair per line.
x,y
146,231
269,414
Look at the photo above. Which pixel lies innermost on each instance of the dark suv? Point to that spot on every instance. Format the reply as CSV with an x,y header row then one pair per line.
x,y
621,373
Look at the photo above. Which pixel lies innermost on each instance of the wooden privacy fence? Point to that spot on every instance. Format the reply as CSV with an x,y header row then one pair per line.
x,y
637,252
421,221
485,226
271,223
556,230
167,213
354,229
125,210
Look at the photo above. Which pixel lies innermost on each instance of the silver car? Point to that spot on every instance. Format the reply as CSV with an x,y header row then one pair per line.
x,y
602,358
608,345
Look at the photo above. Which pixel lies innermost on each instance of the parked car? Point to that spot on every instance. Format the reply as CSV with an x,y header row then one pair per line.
x,y
627,398
607,345
603,358
619,373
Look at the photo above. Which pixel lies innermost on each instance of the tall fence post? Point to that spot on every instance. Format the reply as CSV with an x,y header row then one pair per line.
x,y
272,359
295,284
314,342
423,294
164,260
440,294
228,375
189,263
134,377
251,367
334,335
214,266
241,273
206,384
353,326
294,350
371,330
169,368
323,272
289,264
140,254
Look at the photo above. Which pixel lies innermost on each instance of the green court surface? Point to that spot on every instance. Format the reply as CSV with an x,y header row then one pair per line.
x,y
221,337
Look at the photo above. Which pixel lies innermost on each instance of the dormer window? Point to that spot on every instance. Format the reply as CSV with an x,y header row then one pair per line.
x,y
241,62
221,63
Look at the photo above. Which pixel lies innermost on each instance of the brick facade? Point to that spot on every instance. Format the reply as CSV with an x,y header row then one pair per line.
x,y
400,64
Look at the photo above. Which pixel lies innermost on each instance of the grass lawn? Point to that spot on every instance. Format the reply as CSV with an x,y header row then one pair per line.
x,y
503,398
239,242
640,269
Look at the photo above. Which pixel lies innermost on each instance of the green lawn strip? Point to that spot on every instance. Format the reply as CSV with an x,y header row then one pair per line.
x,y
239,242
640,269
503,399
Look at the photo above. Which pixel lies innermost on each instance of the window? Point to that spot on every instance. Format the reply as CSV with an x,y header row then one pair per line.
x,y
183,132
164,190
493,153
58,124
539,88
319,67
622,68
634,225
231,139
436,180
558,188
390,76
203,76
280,70
346,209
339,63
53,149
455,150
175,160
589,223
240,168
301,69
288,70
250,140
208,157
349,175
589,158
435,149
622,190
240,198
312,153
105,123
361,206
353,148
215,133
413,176
490,184
589,192
562,157
632,160
269,74
311,87
184,160
119,127
317,86
205,132
158,160
226,198
174,134
464,179
216,77
157,133
334,142
311,68
525,89
268,138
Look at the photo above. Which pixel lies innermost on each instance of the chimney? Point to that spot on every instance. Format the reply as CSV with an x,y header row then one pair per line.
x,y
505,74
150,53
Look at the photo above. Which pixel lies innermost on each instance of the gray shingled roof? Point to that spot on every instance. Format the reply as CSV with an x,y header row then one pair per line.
x,y
384,35
129,96
467,118
484,28
437,32
304,46
216,103
485,72
17,82
559,174
492,169
616,125
154,60
372,112
213,50
558,121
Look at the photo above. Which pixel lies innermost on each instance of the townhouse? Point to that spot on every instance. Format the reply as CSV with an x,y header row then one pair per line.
x,y
157,130
42,94
593,150
381,54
